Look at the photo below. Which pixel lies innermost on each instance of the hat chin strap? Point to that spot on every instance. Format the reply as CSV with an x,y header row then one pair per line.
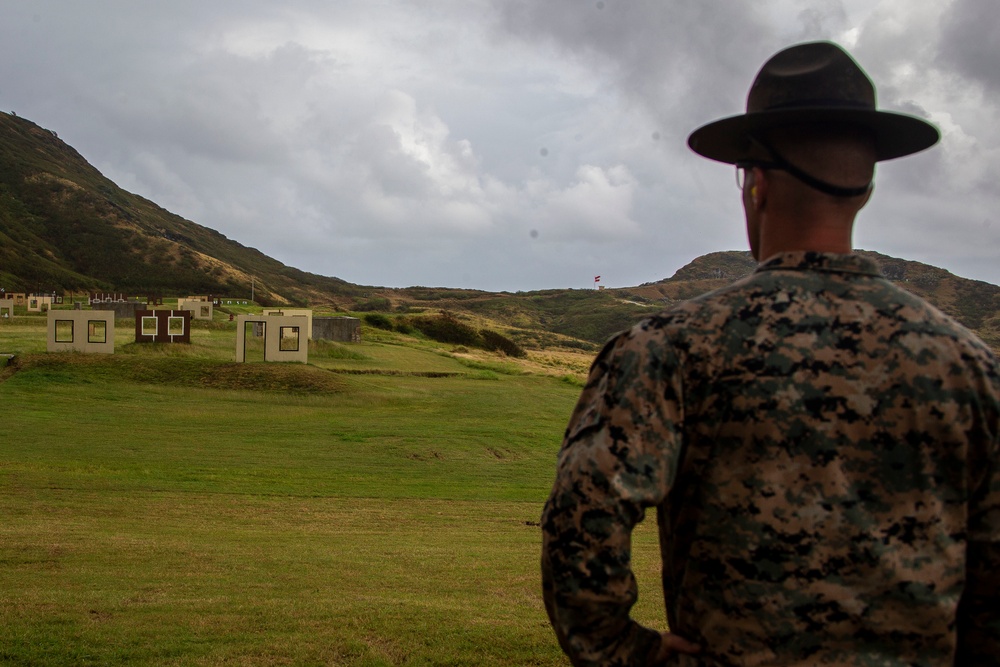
x,y
780,163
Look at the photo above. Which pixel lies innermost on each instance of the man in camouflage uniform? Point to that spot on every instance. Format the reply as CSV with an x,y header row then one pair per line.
x,y
820,445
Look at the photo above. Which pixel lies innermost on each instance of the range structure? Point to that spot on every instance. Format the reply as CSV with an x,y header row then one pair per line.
x,y
293,312
284,334
201,308
285,338
39,304
92,332
163,326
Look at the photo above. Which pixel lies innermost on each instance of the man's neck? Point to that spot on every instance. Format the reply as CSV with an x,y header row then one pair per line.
x,y
779,236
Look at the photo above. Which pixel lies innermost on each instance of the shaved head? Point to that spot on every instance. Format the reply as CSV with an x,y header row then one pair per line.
x,y
842,155
785,212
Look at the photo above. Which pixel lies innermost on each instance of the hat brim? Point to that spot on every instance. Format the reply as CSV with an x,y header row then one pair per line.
x,y
896,134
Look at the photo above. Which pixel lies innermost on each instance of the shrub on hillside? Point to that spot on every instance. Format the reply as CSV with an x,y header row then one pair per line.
x,y
445,328
500,343
378,321
379,303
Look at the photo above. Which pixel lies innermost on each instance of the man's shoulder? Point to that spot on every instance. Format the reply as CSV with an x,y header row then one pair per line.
x,y
699,322
713,308
764,303
918,316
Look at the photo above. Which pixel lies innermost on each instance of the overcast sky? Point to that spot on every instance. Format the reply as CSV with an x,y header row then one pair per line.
x,y
494,144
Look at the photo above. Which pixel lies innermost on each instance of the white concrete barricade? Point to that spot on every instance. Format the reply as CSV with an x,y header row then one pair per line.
x,y
90,331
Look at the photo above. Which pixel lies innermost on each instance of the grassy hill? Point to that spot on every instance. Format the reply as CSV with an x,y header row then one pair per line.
x,y
66,227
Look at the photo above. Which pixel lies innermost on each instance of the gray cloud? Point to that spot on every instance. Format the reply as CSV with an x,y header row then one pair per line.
x,y
970,34
655,54
487,143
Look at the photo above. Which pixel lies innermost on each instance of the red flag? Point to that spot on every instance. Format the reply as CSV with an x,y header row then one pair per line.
x,y
597,279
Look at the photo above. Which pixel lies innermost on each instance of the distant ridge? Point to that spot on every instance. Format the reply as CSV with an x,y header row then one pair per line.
x,y
974,303
66,227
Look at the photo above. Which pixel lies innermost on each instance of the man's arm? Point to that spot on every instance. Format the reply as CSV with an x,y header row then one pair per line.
x,y
618,457
979,610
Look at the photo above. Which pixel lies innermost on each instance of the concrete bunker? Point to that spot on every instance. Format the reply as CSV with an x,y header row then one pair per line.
x,y
123,310
340,329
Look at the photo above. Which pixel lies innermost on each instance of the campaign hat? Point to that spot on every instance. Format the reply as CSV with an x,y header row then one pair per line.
x,y
812,83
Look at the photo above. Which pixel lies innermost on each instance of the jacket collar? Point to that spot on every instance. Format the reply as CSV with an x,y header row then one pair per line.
x,y
821,261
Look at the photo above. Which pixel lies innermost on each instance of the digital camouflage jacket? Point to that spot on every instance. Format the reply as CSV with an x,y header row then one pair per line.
x,y
822,449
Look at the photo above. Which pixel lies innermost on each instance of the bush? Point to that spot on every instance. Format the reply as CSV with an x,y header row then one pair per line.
x,y
500,343
378,321
445,328
375,303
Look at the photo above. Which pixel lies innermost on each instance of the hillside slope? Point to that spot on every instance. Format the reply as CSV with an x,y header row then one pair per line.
x,y
64,226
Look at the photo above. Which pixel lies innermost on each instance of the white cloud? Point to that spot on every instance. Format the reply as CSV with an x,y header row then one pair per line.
x,y
596,207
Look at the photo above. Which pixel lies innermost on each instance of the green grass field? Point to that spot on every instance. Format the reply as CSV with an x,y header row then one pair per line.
x,y
165,506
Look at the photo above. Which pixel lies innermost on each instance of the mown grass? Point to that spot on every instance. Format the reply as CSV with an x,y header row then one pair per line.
x,y
153,517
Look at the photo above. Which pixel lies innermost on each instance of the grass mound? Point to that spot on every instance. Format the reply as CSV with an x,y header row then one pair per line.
x,y
174,371
446,328
327,349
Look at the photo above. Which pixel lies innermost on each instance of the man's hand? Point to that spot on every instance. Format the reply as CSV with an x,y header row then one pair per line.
x,y
670,644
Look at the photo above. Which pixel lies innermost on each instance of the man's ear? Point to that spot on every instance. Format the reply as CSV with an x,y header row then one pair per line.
x,y
868,197
758,193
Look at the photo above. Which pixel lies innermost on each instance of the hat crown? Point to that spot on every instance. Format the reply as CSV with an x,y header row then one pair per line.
x,y
813,75
815,83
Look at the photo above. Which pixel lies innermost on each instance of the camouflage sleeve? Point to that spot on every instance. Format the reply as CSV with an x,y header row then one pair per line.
x,y
979,610
618,457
